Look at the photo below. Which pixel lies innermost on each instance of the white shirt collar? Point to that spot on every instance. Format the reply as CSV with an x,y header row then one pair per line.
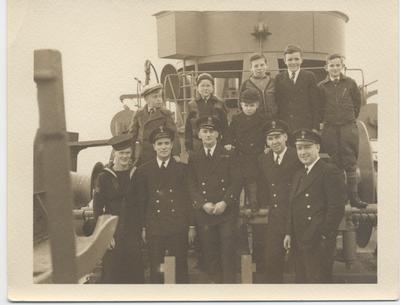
x,y
333,78
159,162
296,74
281,155
211,149
312,165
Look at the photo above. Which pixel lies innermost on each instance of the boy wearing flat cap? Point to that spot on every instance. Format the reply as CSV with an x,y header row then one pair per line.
x,y
206,104
113,194
148,118
214,184
161,190
317,203
277,168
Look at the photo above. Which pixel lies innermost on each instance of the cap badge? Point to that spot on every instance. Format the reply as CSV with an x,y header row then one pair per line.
x,y
273,123
303,134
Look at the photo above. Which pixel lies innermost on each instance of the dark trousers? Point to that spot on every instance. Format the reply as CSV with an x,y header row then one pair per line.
x,y
219,250
122,265
171,245
274,256
341,143
314,264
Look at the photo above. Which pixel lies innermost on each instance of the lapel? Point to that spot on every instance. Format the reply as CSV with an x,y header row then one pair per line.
x,y
215,161
269,164
315,172
299,79
157,115
144,114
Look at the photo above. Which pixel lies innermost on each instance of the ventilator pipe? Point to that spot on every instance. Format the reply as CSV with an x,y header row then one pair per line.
x,y
349,244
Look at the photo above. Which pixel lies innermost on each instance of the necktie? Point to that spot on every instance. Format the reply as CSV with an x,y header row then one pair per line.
x,y
336,81
209,156
277,160
163,165
293,76
306,171
151,110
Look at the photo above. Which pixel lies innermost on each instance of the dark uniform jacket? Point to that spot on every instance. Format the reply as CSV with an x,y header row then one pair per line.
x,y
316,204
200,108
123,264
276,182
341,102
110,198
298,104
144,123
214,180
267,106
164,197
246,133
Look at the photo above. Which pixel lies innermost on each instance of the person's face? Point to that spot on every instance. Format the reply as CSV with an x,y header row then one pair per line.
x,y
205,88
163,148
154,99
259,67
249,108
307,152
334,67
293,61
208,136
122,157
277,142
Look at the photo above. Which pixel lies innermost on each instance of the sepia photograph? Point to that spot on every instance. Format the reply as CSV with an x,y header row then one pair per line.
x,y
179,146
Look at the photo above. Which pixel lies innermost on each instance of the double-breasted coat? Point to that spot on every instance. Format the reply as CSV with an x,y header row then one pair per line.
x,y
143,124
317,203
199,108
276,182
114,195
214,180
246,133
167,214
298,104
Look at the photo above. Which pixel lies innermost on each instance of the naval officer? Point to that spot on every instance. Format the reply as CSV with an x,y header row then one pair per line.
x,y
317,203
162,192
277,169
214,186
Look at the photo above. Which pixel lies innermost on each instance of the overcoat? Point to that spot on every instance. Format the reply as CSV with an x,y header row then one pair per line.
x,y
143,124
246,133
199,108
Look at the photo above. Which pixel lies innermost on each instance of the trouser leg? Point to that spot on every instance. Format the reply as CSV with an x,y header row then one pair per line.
x,y
156,256
349,152
274,257
178,247
210,244
251,193
227,236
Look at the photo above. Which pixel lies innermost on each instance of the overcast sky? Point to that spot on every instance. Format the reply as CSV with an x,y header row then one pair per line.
x,y
104,45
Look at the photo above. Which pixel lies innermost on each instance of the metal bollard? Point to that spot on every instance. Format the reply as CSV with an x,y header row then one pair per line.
x,y
168,268
247,268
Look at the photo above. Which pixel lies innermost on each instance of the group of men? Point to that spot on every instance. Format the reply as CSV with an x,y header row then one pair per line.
x,y
271,149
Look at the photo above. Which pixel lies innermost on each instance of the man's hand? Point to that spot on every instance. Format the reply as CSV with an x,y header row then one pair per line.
x,y
144,235
192,235
112,244
209,208
220,207
287,242
177,158
266,150
316,131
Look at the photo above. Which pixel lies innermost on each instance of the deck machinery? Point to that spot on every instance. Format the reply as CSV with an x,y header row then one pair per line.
x,y
221,44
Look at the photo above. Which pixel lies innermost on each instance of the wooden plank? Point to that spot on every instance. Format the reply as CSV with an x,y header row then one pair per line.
x,y
55,164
